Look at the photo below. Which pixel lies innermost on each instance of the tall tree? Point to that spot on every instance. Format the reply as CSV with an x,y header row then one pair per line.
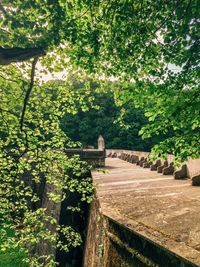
x,y
36,174
136,41
118,123
141,41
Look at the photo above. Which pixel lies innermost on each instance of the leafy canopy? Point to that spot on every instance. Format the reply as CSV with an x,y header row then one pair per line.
x,y
152,44
118,122
34,159
138,42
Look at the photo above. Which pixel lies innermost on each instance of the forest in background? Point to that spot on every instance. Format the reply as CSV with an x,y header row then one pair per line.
x,y
119,123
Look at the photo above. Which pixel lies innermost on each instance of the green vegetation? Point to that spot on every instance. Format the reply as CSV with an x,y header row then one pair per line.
x,y
150,47
118,123
34,167
157,49
14,255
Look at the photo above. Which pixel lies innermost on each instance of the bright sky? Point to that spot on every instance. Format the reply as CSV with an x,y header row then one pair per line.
x,y
62,75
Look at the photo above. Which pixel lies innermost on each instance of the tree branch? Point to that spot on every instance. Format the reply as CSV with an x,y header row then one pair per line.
x,y
3,9
28,92
17,54
3,118
11,80
8,111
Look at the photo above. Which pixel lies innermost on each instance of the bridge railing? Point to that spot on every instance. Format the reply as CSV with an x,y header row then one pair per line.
x,y
188,170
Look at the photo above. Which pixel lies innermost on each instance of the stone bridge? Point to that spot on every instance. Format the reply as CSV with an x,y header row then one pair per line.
x,y
142,216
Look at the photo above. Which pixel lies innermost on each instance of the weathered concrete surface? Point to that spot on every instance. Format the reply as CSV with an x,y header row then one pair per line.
x,y
193,165
162,209
97,243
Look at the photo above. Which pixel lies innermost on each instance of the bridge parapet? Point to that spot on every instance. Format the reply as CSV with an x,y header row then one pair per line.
x,y
95,157
188,170
140,218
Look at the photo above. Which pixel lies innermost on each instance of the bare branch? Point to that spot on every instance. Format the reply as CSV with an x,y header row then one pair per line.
x,y
28,92
26,148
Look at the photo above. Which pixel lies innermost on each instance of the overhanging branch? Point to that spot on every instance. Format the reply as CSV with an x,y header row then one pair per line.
x,y
17,54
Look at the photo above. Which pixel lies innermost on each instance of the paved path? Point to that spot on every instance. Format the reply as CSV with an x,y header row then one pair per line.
x,y
157,206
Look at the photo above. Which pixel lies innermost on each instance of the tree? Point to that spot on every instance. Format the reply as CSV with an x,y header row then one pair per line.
x,y
132,40
90,31
138,42
36,175
173,108
118,123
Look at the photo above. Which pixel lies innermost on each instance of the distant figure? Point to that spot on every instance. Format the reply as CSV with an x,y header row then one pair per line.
x,y
101,143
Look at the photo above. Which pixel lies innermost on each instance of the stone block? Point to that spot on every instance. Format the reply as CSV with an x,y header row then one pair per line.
x,y
128,158
141,159
125,156
147,164
181,173
134,158
154,166
169,169
131,158
109,155
114,155
122,156
142,162
160,168
196,180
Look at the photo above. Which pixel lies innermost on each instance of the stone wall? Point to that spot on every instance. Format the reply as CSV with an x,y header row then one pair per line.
x,y
94,157
97,242
118,152
112,244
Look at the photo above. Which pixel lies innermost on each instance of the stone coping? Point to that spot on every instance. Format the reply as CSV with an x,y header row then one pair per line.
x,y
161,209
193,165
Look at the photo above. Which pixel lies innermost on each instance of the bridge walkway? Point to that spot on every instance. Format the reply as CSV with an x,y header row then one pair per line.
x,y
162,209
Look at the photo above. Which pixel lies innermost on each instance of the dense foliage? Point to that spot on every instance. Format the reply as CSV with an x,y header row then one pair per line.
x,y
36,175
151,47
118,123
138,41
